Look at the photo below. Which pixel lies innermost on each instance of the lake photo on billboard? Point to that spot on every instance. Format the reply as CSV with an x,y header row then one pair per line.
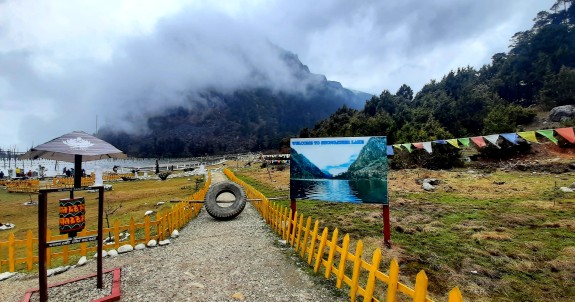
x,y
341,169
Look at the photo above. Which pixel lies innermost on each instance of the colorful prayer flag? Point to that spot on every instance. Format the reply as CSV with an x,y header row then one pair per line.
x,y
407,146
528,136
453,142
492,139
567,133
390,151
548,134
418,145
464,141
427,147
479,141
511,137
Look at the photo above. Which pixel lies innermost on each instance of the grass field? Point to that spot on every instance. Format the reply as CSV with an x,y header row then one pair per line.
x,y
501,236
132,199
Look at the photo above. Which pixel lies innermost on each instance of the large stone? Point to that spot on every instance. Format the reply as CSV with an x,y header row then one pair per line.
x,y
58,270
82,261
125,248
562,113
175,234
152,243
566,190
6,275
427,187
104,254
140,246
149,212
164,242
112,253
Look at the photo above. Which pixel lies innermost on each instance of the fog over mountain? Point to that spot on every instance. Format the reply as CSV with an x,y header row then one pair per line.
x,y
62,64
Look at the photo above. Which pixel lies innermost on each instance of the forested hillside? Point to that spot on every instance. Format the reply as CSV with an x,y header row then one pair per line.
x,y
537,73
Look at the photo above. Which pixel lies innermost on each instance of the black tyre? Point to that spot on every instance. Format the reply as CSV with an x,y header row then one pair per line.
x,y
222,212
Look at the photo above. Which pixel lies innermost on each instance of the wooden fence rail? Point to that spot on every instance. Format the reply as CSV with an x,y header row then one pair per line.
x,y
22,254
338,261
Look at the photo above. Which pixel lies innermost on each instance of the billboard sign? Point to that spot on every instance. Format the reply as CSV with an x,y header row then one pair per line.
x,y
339,169
72,215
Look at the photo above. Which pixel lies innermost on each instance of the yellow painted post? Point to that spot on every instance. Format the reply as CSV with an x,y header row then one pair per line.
x,y
11,253
285,222
159,225
147,228
132,232
455,295
319,255
116,234
65,255
292,229
356,270
48,250
29,250
370,286
420,287
393,280
299,228
84,245
305,237
312,242
342,261
332,248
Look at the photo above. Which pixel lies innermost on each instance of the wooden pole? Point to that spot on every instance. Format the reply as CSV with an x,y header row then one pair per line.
x,y
99,282
42,227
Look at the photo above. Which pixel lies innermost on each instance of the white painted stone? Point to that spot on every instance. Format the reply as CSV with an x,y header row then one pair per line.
x,y
112,253
282,242
160,203
56,271
566,189
149,212
140,246
107,187
82,261
152,243
104,254
428,187
7,226
6,275
175,234
164,242
125,248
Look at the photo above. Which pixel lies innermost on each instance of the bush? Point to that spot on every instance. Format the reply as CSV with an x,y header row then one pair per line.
x,y
164,175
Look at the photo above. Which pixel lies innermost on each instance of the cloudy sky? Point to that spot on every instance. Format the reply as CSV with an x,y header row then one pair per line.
x,y
62,63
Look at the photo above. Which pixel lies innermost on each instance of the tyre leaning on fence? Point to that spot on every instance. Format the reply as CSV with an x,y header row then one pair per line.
x,y
225,213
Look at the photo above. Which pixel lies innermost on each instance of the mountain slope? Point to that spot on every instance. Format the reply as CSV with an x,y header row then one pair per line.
x,y
250,119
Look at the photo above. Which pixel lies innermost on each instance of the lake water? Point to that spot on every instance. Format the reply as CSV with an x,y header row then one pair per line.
x,y
339,190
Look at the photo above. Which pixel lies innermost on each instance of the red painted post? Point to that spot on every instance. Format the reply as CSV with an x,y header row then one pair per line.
x,y
386,227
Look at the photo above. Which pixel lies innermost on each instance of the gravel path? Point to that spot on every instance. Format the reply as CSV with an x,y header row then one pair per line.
x,y
210,261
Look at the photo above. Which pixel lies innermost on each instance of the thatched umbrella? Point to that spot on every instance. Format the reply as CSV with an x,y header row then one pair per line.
x,y
75,147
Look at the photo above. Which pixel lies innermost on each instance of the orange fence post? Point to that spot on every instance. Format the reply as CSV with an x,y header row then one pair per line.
x,y
147,228
312,243
11,253
356,269
342,261
420,287
393,280
299,228
116,234
370,286
132,232
303,247
29,250
332,247
319,255
455,295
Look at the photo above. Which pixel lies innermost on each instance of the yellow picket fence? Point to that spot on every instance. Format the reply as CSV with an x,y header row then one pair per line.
x,y
19,254
314,246
23,186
